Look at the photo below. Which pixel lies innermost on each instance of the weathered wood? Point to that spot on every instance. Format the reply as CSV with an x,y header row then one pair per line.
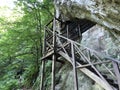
x,y
54,55
91,50
49,30
69,53
49,22
42,75
74,68
97,63
117,72
47,43
47,55
105,66
87,59
61,44
90,74
53,71
43,63
44,43
65,55
49,38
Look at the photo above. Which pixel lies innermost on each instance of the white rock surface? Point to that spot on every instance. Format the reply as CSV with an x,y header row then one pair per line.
x,y
103,12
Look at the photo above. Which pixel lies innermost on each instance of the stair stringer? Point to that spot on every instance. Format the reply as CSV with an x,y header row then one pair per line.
x,y
90,74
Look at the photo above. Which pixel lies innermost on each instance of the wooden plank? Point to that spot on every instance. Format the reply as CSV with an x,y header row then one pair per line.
x,y
54,55
49,45
63,47
91,50
100,61
53,72
47,55
65,55
42,75
48,29
88,60
97,63
49,38
43,63
90,74
117,72
74,68
49,22
108,69
60,48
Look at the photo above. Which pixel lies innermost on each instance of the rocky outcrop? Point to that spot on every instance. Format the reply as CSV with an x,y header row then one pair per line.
x,y
104,37
67,78
103,12
96,38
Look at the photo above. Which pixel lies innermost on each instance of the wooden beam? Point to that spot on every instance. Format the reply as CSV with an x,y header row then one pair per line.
x,y
47,55
54,55
65,55
90,74
48,29
49,38
97,63
49,22
83,56
63,46
42,75
49,45
53,71
74,68
91,50
43,63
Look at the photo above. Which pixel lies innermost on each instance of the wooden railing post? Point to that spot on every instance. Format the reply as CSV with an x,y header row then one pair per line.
x,y
54,55
74,67
43,63
43,75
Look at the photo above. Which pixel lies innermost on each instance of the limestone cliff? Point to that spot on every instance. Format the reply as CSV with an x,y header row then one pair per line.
x,y
105,37
103,12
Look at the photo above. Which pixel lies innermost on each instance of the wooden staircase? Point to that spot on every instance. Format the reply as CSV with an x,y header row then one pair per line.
x,y
65,43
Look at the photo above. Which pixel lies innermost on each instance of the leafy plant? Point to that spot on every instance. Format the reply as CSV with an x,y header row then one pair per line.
x,y
21,40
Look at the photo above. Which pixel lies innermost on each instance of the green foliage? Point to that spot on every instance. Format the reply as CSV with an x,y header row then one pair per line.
x,y
21,40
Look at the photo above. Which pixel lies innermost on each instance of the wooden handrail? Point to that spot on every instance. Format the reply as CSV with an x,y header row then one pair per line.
x,y
98,53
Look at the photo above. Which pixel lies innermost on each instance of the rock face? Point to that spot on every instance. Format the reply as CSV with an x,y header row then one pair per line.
x,y
103,12
101,40
67,80
96,38
106,13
